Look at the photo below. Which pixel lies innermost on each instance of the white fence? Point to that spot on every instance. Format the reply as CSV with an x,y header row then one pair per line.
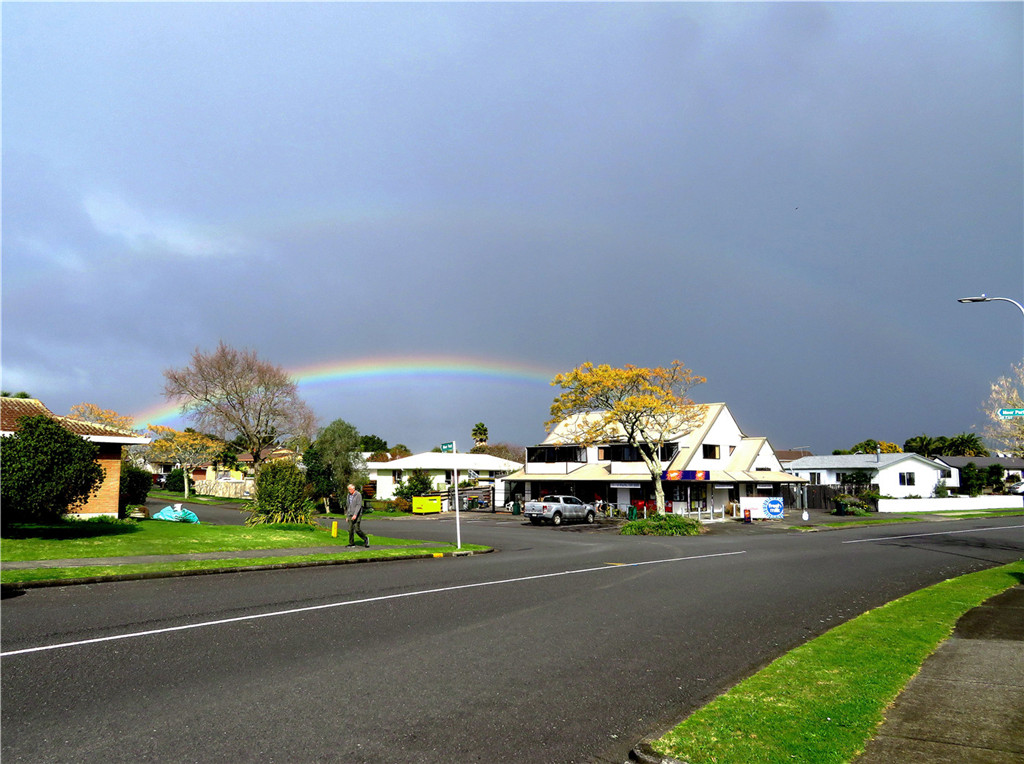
x,y
227,489
951,504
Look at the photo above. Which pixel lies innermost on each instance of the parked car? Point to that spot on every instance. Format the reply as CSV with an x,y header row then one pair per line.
x,y
556,509
1017,488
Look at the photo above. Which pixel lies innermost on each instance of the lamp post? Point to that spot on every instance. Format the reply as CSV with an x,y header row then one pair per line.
x,y
985,298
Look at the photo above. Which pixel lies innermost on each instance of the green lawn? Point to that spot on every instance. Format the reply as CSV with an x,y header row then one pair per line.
x,y
74,540
89,539
822,702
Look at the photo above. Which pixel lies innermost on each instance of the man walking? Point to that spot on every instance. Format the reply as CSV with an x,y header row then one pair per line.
x,y
354,512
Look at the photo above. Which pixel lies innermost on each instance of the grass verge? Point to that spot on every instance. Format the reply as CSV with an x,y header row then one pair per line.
x,y
193,498
183,567
72,539
822,702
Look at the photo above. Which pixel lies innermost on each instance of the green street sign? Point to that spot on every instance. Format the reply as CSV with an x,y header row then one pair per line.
x,y
1010,413
449,448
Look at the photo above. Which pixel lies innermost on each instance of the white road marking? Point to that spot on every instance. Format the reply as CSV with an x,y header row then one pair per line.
x,y
293,611
936,533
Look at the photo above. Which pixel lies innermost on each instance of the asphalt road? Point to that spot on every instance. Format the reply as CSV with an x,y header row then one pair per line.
x,y
568,645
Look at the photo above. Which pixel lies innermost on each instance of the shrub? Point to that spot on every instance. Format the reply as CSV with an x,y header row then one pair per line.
x,y
176,481
417,484
401,505
281,496
662,525
47,471
850,505
135,485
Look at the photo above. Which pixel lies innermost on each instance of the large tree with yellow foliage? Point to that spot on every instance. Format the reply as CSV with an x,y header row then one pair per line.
x,y
187,450
643,407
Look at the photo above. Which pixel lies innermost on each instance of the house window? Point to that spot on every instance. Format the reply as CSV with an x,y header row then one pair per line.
x,y
814,477
448,477
906,478
618,452
712,452
552,454
669,451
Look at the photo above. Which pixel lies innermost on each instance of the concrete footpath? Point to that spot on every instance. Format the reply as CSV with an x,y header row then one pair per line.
x,y
967,703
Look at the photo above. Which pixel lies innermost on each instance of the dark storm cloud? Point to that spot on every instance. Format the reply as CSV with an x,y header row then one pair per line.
x,y
789,197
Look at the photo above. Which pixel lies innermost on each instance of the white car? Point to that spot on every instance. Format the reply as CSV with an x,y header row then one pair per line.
x,y
1017,488
556,509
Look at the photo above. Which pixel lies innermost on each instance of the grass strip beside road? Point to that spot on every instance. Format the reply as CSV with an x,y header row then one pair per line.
x,y
173,497
824,700
76,540
184,567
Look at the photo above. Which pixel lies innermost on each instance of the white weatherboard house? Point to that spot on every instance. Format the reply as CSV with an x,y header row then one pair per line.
x,y
703,470
441,468
896,475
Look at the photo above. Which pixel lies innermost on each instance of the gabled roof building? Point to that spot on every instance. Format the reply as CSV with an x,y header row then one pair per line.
x,y
109,440
441,467
896,475
703,470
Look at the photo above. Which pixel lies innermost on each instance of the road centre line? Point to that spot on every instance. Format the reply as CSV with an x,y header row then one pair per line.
x,y
367,600
936,533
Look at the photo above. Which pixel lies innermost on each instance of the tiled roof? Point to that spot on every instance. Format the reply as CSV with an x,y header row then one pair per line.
x,y
12,409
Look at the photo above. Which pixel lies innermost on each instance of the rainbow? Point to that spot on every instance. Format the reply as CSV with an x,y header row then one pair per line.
x,y
388,368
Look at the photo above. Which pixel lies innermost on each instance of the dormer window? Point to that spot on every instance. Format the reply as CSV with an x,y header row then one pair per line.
x,y
712,452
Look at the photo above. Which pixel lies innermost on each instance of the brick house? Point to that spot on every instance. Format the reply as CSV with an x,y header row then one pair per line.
x,y
108,439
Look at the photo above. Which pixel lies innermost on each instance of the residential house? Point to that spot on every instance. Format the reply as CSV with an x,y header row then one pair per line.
x,y
704,470
1013,466
442,469
896,475
109,440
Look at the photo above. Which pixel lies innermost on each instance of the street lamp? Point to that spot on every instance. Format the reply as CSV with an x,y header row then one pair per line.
x,y
986,298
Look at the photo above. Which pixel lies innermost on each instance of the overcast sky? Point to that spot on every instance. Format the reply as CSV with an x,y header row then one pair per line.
x,y
787,197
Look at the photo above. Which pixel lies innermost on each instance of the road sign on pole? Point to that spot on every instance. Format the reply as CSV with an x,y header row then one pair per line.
x,y
448,448
1010,413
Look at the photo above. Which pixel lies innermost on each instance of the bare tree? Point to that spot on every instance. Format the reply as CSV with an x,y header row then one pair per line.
x,y
232,393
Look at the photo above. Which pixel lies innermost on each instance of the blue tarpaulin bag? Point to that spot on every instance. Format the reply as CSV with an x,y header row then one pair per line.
x,y
176,514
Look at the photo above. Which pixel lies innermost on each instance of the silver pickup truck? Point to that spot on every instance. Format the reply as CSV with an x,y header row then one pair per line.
x,y
557,509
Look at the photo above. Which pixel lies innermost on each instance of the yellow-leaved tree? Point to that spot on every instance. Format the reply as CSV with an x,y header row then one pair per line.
x,y
90,412
187,450
643,407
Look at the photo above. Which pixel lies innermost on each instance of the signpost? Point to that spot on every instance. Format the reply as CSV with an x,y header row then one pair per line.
x,y
1010,413
449,448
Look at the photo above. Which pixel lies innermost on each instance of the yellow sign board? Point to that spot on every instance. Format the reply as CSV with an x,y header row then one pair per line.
x,y
425,505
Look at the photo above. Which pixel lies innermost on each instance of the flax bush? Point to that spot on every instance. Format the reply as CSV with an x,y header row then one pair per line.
x,y
281,496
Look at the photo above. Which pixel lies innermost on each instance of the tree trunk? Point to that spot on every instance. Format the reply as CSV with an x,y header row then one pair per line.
x,y
654,466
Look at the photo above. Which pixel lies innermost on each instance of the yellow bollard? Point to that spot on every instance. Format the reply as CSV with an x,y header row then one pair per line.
x,y
334,529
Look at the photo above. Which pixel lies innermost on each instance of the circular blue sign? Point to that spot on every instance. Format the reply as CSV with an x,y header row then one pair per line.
x,y
773,507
